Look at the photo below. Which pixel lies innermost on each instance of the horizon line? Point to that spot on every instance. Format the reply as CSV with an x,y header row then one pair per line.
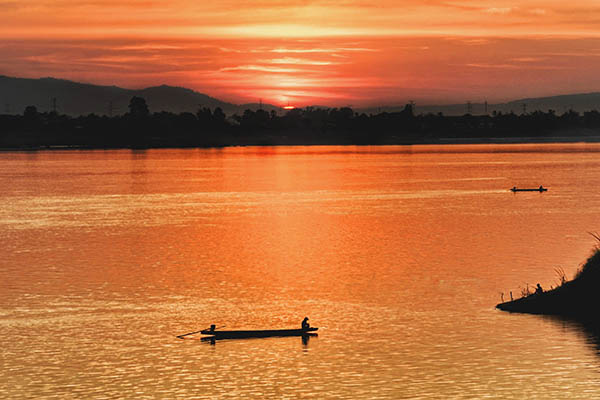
x,y
259,100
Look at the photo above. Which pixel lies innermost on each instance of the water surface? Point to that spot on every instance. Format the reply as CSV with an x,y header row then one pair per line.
x,y
398,254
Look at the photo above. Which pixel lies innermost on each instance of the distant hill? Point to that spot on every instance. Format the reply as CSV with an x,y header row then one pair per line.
x,y
577,102
75,98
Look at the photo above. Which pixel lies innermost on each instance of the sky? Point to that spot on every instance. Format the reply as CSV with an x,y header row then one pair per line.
x,y
302,52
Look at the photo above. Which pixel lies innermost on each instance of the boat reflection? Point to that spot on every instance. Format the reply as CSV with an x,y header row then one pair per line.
x,y
213,340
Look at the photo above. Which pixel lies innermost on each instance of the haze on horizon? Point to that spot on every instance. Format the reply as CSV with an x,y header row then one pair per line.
x,y
311,52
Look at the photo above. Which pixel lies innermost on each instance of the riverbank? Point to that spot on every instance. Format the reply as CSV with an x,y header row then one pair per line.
x,y
207,128
575,299
282,141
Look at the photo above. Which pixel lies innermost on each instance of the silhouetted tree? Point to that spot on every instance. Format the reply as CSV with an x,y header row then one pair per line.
x,y
30,113
592,119
139,129
138,107
219,115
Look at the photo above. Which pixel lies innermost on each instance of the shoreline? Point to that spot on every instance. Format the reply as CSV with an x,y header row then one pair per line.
x,y
261,143
574,299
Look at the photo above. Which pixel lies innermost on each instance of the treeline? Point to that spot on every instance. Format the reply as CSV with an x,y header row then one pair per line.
x,y
139,128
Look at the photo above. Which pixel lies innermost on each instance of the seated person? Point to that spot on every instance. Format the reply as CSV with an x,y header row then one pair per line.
x,y
305,324
539,289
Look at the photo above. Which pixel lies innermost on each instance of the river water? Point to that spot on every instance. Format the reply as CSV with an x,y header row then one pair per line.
x,y
397,254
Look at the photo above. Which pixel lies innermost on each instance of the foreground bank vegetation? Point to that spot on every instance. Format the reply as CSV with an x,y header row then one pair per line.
x,y
576,298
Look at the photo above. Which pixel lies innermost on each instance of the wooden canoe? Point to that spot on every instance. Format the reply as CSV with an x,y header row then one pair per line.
x,y
529,190
257,333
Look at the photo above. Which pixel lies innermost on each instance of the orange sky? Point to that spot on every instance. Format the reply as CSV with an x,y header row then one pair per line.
x,y
312,52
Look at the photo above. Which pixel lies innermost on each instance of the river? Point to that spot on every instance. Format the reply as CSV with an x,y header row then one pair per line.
x,y
397,253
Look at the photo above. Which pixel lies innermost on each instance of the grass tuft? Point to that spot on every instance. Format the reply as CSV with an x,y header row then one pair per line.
x,y
591,268
562,277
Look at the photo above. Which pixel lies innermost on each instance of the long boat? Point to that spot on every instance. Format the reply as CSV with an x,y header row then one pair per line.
x,y
540,189
256,333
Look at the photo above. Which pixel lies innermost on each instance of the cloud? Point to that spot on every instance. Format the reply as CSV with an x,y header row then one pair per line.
x,y
527,59
148,46
301,61
495,66
373,69
322,50
470,41
496,10
262,68
514,66
294,18
537,11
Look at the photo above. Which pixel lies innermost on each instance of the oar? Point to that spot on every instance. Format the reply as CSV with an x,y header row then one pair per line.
x,y
192,333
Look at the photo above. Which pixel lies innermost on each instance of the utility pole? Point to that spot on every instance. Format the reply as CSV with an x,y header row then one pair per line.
x,y
469,107
524,108
54,105
485,106
260,104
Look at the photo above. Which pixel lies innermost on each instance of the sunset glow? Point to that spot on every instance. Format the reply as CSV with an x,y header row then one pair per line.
x,y
309,52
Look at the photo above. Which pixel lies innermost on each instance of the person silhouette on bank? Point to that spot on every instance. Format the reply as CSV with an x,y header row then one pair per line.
x,y
305,324
538,289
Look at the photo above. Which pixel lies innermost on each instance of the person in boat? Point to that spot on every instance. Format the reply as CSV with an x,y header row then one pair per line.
x,y
538,289
514,189
541,188
305,324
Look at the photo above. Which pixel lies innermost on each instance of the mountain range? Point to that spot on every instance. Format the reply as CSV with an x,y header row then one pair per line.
x,y
74,98
579,102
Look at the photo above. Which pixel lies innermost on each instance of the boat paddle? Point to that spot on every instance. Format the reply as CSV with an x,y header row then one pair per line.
x,y
192,333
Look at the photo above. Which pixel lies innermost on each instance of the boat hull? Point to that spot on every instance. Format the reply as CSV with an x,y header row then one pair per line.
x,y
257,333
529,190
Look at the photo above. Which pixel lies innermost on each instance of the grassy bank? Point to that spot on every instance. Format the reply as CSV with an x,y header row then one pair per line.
x,y
577,298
